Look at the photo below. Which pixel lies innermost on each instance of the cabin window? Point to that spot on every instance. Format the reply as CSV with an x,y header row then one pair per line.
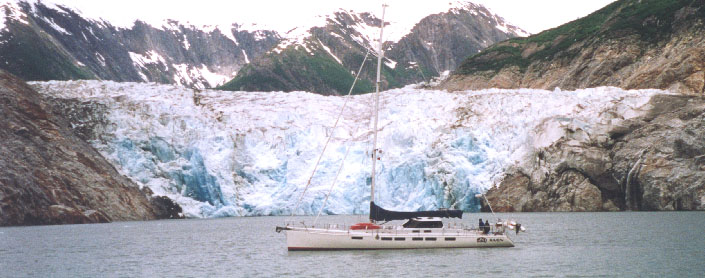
x,y
399,239
450,239
417,238
430,239
416,231
357,237
426,231
386,238
423,224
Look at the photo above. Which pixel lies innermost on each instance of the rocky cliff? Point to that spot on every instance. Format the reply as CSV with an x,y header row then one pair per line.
x,y
440,42
54,42
630,44
325,59
48,175
655,161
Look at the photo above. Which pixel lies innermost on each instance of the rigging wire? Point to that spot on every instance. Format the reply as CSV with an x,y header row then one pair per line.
x,y
489,205
308,183
342,163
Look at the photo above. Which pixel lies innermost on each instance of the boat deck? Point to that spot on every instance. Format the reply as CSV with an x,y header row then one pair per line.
x,y
341,237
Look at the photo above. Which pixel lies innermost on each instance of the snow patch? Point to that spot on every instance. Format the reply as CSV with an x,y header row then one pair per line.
x,y
187,45
100,58
227,31
223,29
390,63
187,75
327,49
247,59
142,75
149,58
182,77
90,29
56,27
170,25
295,37
213,79
259,35
13,12
336,35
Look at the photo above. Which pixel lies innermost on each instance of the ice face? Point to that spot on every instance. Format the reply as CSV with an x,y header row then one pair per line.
x,y
249,153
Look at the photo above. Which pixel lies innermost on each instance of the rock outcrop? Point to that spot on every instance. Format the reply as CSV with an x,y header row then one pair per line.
x,y
631,44
652,162
48,175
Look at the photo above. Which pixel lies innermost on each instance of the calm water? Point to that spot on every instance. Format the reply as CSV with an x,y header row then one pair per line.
x,y
626,244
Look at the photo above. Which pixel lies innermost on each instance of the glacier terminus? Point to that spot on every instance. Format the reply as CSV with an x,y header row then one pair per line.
x,y
220,153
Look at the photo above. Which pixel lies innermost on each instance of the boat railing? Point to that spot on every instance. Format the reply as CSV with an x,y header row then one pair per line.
x,y
450,229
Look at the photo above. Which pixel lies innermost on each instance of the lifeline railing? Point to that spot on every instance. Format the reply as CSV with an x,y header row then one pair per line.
x,y
451,229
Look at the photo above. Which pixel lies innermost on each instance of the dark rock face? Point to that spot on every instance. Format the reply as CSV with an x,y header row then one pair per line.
x,y
440,42
48,175
652,162
59,44
631,44
166,208
326,61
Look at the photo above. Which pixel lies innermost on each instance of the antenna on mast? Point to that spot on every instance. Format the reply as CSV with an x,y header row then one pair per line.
x,y
380,54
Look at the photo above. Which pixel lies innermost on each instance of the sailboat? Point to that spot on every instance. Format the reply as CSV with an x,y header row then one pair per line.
x,y
421,229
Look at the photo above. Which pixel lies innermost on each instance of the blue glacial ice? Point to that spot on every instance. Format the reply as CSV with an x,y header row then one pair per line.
x,y
250,153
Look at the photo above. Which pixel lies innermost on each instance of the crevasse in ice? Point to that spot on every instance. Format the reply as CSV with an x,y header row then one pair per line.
x,y
252,153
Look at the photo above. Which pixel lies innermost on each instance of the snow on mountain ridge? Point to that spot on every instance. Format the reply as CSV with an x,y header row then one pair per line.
x,y
400,22
176,44
11,10
247,153
366,33
477,9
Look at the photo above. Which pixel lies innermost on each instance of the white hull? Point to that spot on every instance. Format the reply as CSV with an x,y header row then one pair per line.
x,y
339,239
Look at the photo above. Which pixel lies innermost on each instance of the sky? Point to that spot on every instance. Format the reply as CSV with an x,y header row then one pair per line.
x,y
531,15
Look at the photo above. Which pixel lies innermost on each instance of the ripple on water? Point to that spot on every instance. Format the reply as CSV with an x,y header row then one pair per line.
x,y
556,244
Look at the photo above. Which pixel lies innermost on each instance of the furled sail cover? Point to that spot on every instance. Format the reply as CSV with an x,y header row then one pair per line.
x,y
379,214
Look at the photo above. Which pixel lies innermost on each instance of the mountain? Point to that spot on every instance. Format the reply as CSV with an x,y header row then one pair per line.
x,y
629,44
440,42
325,59
52,42
49,175
45,41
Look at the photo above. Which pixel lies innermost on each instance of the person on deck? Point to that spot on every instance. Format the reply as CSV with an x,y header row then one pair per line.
x,y
487,226
482,225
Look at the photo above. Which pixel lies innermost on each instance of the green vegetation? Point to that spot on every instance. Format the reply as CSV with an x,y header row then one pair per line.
x,y
652,18
334,75
249,75
648,20
298,70
495,58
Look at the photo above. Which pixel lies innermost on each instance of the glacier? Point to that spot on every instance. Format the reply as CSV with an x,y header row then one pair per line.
x,y
220,153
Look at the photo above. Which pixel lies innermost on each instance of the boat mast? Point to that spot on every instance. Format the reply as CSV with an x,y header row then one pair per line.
x,y
380,54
